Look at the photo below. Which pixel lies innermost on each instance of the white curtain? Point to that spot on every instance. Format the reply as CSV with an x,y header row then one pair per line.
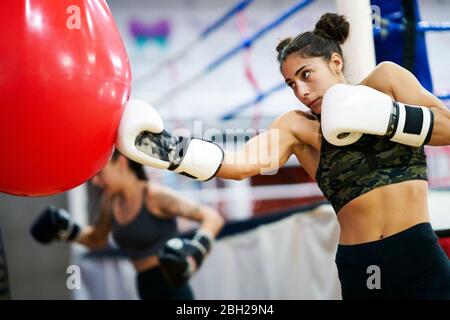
x,y
292,258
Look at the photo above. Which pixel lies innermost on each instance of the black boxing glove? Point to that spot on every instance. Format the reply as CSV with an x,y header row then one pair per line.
x,y
181,258
54,224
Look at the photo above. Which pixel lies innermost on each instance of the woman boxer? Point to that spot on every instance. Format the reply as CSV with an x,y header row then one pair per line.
x,y
369,162
140,214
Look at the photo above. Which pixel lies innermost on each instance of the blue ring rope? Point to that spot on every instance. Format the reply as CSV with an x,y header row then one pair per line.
x,y
260,97
232,12
201,37
226,56
422,26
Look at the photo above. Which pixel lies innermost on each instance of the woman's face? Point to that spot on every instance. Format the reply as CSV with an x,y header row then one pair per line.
x,y
109,178
310,78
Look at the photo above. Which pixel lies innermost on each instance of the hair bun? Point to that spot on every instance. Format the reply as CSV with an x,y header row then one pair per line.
x,y
283,44
333,26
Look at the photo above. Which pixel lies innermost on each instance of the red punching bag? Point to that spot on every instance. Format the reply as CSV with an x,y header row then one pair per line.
x,y
64,81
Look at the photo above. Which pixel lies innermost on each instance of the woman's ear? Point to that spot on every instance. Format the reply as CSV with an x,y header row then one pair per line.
x,y
122,162
336,63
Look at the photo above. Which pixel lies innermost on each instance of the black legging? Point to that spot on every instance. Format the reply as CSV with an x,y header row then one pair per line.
x,y
152,286
411,265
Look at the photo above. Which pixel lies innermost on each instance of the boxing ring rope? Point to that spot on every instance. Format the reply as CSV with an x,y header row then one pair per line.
x,y
288,191
258,98
235,111
169,95
263,95
194,42
445,96
422,26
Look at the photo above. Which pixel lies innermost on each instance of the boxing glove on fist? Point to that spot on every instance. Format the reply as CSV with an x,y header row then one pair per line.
x,y
349,111
54,224
181,258
142,138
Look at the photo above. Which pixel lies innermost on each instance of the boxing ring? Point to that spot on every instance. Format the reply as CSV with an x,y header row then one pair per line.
x,y
213,61
298,272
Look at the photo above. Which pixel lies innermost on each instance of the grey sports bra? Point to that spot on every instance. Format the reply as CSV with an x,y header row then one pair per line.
x,y
145,235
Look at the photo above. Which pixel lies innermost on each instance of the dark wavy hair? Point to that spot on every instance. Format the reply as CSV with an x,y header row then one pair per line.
x,y
135,167
330,32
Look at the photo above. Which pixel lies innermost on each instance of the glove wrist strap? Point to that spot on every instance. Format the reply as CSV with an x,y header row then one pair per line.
x,y
70,230
204,240
71,233
414,125
201,160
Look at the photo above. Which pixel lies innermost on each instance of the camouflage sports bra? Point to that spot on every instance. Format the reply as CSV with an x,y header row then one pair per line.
x,y
344,173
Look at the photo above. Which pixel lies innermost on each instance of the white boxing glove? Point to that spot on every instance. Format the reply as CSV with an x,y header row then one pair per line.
x,y
349,111
142,138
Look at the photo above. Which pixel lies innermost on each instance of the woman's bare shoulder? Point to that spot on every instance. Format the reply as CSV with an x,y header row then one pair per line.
x,y
155,190
303,126
293,117
381,77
